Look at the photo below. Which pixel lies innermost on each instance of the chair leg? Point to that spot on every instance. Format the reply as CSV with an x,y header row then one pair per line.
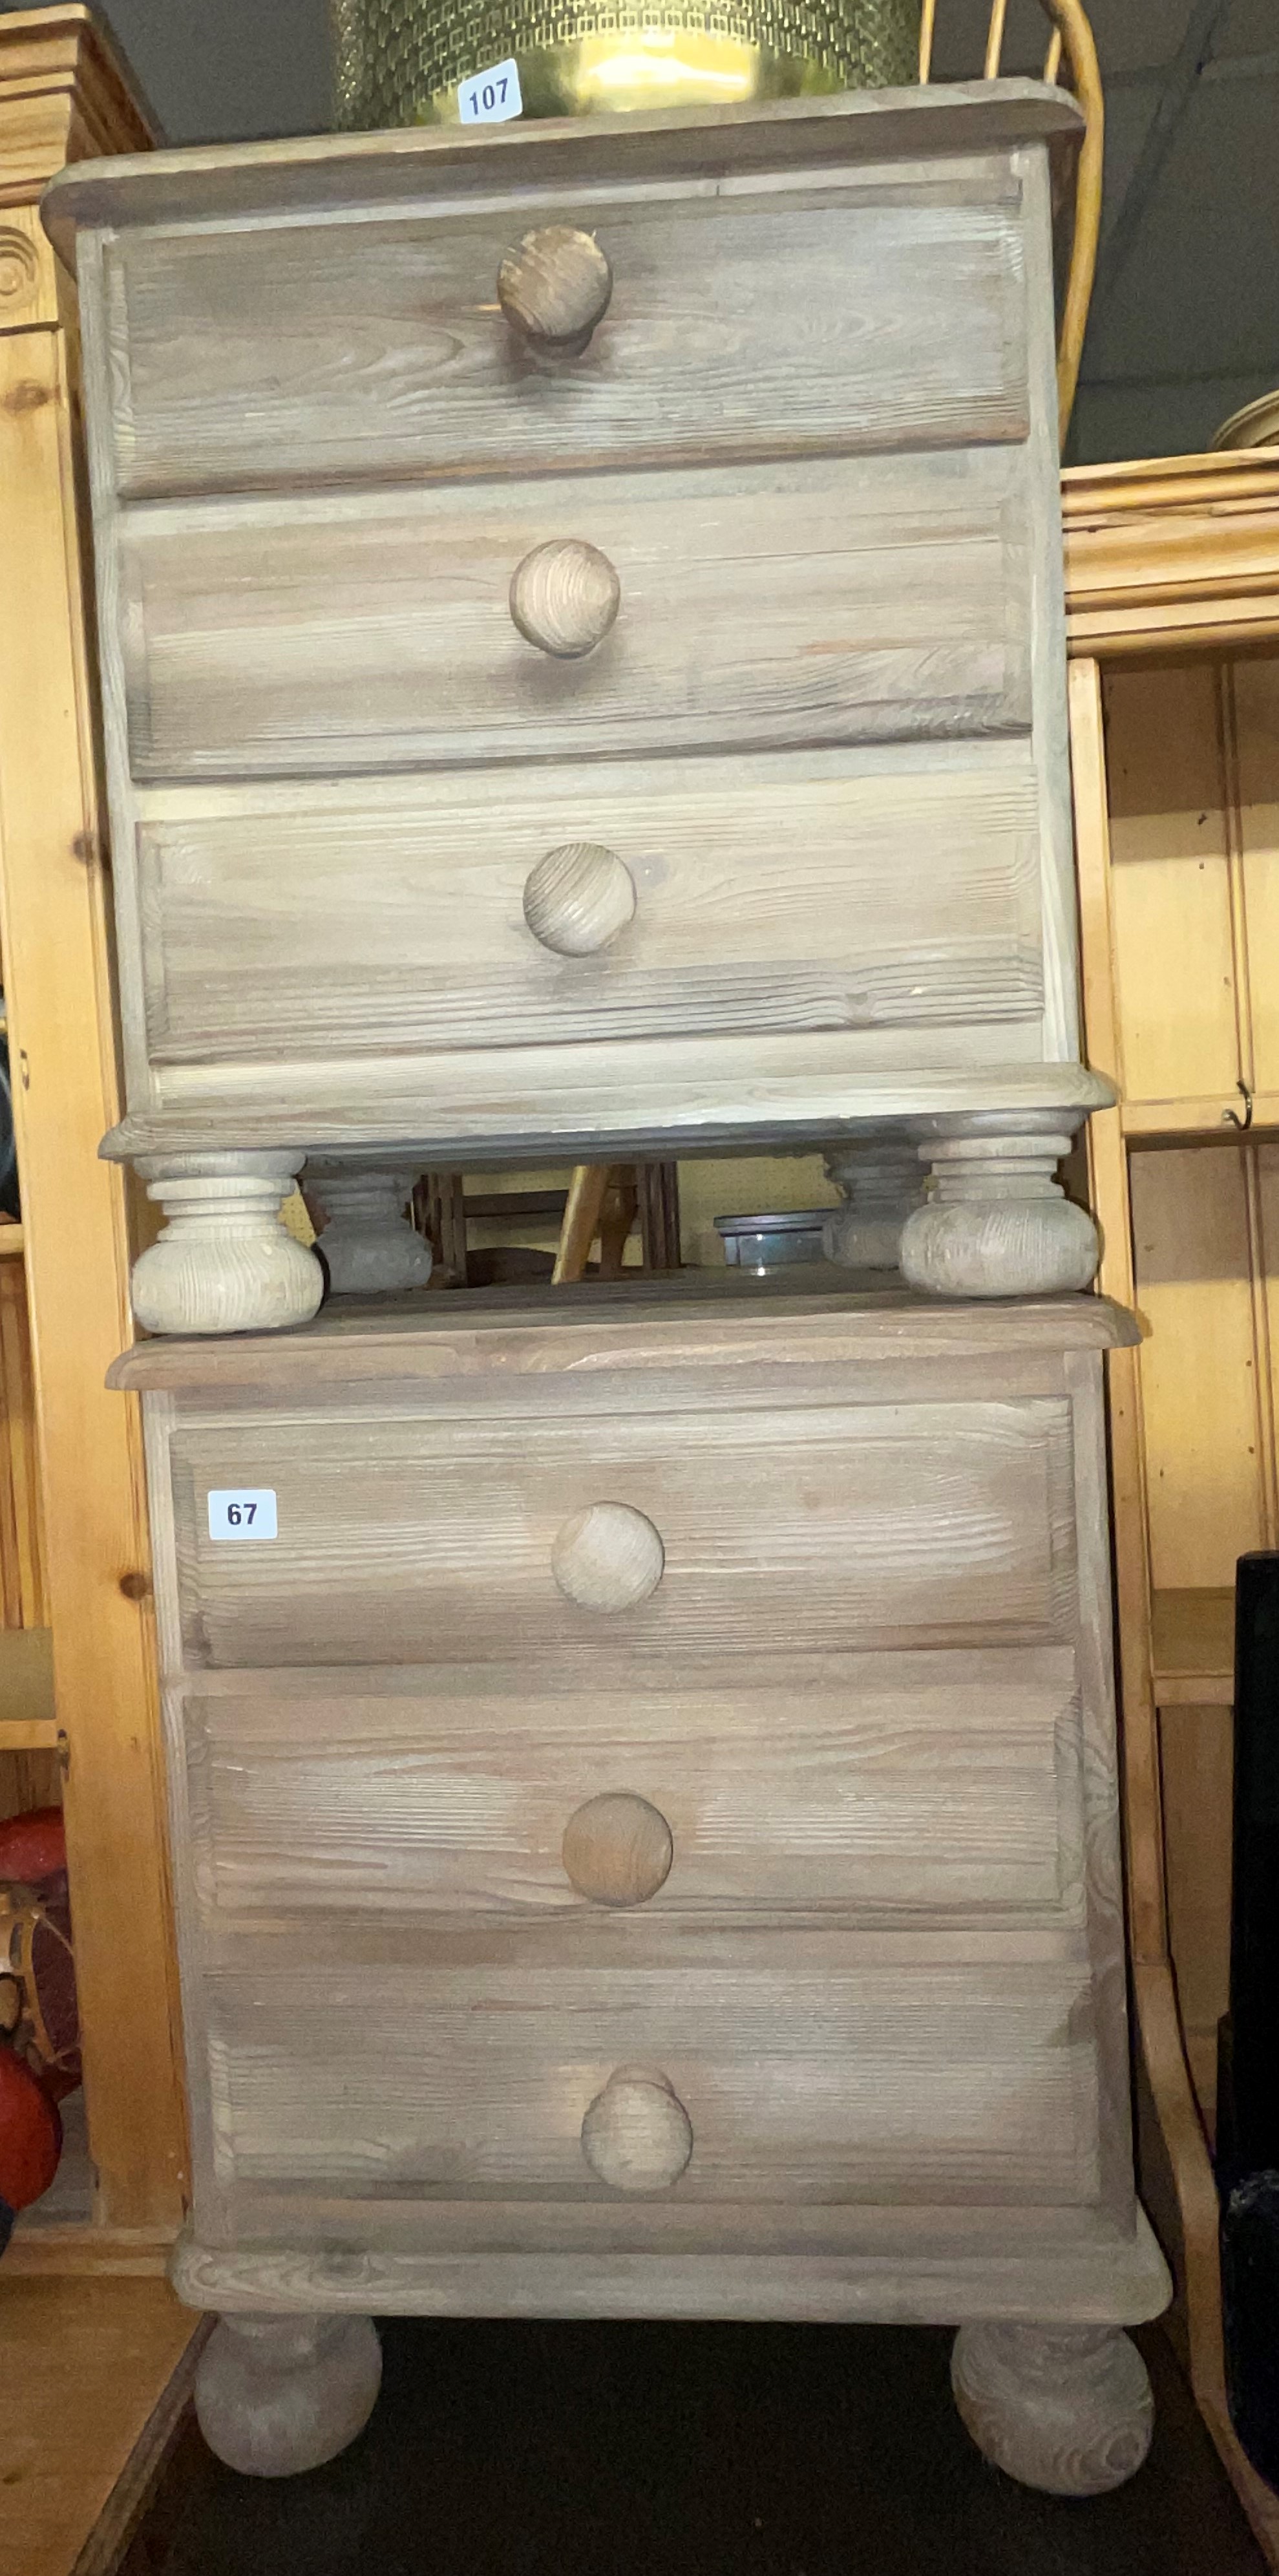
x,y
581,1221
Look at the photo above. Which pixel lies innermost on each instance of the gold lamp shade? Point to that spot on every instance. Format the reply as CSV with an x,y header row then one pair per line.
x,y
399,62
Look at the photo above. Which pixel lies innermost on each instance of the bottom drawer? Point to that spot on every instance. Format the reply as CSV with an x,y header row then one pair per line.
x,y
838,2079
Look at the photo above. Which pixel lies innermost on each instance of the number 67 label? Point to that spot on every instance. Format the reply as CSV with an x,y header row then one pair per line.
x,y
240,1511
489,98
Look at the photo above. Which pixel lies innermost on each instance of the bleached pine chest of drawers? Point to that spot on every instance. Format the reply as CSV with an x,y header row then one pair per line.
x,y
583,665
646,1839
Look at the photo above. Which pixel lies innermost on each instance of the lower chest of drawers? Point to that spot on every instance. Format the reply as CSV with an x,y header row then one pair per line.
x,y
653,1785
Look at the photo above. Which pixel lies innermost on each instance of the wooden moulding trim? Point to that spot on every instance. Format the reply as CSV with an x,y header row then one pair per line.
x,y
317,170
413,1340
1114,2282
65,94
1168,483
1176,554
459,1108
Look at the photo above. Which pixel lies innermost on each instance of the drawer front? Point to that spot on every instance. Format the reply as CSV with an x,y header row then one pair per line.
x,y
944,1787
874,313
852,600
406,1540
803,893
841,2081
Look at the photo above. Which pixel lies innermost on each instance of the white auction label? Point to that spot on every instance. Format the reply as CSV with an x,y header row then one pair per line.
x,y
243,1511
488,98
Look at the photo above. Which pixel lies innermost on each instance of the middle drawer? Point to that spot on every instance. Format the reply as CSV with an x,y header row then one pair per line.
x,y
942,1786
852,599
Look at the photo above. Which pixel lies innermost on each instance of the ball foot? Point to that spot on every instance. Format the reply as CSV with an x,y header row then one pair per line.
x,y
277,2395
1065,2408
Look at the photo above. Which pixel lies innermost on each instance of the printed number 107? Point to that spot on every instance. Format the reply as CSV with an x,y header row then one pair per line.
x,y
492,95
237,1512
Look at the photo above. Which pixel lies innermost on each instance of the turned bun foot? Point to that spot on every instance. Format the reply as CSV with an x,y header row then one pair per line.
x,y
1038,1250
224,1263
882,1184
366,1239
277,2395
1065,2408
998,1224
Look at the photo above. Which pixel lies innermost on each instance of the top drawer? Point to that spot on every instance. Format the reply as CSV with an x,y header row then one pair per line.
x,y
884,312
390,1538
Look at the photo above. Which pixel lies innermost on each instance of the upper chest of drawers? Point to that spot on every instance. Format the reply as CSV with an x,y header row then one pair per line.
x,y
353,524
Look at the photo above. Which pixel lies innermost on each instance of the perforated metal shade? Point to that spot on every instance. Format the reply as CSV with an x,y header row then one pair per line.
x,y
399,62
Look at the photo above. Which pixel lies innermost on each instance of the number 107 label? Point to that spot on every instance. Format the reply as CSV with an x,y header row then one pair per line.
x,y
489,98
242,1512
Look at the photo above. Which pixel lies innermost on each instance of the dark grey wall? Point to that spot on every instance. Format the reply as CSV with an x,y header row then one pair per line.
x,y
222,71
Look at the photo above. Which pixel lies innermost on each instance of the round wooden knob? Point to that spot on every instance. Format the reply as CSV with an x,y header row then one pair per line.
x,y
607,1557
555,288
637,2135
578,898
564,598
617,1849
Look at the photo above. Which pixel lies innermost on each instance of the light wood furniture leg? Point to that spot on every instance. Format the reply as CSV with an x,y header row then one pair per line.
x,y
997,1223
277,2395
1065,2408
883,1185
224,1263
366,1239
617,1216
581,1220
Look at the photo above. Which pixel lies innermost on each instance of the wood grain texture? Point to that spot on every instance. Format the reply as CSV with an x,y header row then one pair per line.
x,y
1197,1744
616,1849
1177,994
879,598
554,288
277,2396
926,1524
707,144
1181,554
1106,2277
101,2371
636,2134
53,902
607,1557
822,2082
938,1788
66,96
879,564
1171,557
1254,707
1194,1281
564,598
709,1336
1063,2409
757,894
377,346
883,1975
1192,1646
474,1107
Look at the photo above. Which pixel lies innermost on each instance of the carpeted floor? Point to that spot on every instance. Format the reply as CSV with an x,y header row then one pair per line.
x,y
595,2450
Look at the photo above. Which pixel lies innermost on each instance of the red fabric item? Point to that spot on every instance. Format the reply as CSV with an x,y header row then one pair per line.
x,y
33,1846
30,2133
